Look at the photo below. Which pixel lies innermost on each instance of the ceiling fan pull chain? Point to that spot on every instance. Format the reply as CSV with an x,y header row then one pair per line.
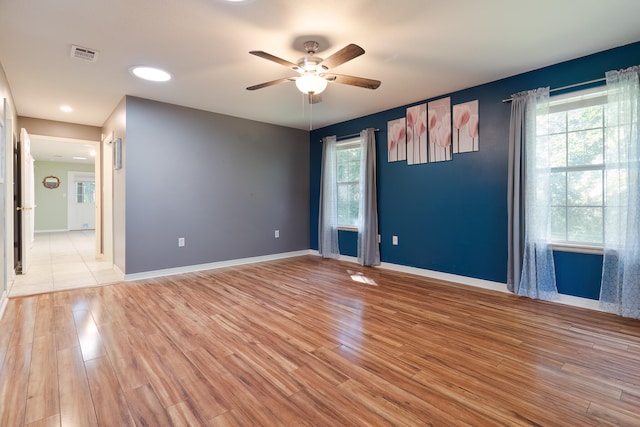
x,y
310,113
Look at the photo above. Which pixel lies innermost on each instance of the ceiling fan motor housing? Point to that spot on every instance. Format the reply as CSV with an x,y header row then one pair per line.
x,y
311,64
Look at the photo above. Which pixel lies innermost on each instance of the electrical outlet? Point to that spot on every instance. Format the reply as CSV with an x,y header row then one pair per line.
x,y
277,234
395,240
180,242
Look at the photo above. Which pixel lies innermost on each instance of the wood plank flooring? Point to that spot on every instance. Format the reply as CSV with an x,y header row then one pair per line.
x,y
312,342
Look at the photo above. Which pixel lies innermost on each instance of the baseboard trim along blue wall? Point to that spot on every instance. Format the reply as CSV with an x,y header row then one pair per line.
x,y
470,281
451,217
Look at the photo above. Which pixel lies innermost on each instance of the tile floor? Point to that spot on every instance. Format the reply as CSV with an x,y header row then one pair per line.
x,y
63,260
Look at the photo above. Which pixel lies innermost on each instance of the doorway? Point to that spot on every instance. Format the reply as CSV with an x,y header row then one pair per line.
x,y
53,245
81,201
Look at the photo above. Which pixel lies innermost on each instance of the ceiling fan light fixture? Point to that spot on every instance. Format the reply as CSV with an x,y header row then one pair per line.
x,y
311,84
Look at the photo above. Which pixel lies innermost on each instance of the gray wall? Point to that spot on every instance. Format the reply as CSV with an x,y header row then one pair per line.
x,y
116,124
223,183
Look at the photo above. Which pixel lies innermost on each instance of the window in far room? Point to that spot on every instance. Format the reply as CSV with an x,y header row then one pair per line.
x,y
349,157
85,192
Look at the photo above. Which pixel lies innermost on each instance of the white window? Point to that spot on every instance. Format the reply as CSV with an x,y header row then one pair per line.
x,y
577,136
349,155
85,192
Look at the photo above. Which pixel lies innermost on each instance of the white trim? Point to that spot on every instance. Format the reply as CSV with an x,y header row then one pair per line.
x,y
62,230
117,269
580,249
591,304
447,277
3,303
211,266
471,281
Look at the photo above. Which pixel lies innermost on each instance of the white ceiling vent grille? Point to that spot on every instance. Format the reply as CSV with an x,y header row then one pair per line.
x,y
84,54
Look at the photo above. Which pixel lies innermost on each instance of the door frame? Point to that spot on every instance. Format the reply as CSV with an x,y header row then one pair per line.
x,y
104,185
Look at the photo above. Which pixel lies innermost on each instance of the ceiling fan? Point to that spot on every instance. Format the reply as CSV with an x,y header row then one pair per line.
x,y
314,71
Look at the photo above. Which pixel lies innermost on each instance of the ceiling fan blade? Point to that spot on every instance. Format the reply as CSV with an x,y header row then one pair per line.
x,y
353,81
345,54
275,59
271,83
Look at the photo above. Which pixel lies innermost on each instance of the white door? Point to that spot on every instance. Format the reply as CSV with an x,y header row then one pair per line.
x,y
27,205
82,201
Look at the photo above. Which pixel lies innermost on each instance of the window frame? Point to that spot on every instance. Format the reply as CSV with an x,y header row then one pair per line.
x,y
345,145
567,102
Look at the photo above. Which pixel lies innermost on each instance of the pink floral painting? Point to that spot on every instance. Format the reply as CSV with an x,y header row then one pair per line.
x,y
397,140
465,127
417,134
440,130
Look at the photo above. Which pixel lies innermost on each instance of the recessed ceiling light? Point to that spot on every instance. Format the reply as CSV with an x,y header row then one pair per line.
x,y
151,74
66,108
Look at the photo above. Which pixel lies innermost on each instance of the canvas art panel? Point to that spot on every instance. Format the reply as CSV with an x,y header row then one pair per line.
x,y
465,127
397,140
417,134
440,130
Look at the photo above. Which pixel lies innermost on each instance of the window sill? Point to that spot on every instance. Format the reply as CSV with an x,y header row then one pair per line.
x,y
347,228
581,249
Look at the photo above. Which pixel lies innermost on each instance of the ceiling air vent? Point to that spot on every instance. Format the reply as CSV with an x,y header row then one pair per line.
x,y
83,53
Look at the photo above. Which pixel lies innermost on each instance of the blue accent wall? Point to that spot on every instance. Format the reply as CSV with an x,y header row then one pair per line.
x,y
452,216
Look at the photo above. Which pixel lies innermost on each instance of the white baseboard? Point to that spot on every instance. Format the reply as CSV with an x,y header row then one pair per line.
x,y
62,230
117,269
470,281
211,266
4,299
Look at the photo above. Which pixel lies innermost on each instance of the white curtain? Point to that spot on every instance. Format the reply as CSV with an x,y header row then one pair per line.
x,y
620,289
328,219
368,246
530,270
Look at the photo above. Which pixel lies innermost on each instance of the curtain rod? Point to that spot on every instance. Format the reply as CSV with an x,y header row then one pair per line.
x,y
350,135
566,87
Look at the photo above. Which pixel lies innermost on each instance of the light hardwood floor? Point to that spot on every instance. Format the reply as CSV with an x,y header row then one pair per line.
x,y
307,341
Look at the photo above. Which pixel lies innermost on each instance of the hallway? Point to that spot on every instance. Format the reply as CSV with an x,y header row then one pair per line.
x,y
63,260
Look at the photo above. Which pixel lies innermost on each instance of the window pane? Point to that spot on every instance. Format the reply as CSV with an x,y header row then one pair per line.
x,y
558,189
348,204
577,158
585,118
79,192
89,192
558,122
617,184
348,164
585,147
584,188
559,224
584,225
558,150
85,192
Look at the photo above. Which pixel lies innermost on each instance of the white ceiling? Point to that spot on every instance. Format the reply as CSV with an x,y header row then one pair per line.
x,y
417,48
51,149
